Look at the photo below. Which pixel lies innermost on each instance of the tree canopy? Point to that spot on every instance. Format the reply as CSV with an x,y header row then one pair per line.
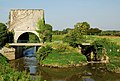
x,y
3,34
44,30
81,28
75,36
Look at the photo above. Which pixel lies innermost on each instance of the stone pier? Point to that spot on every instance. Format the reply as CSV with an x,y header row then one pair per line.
x,y
9,53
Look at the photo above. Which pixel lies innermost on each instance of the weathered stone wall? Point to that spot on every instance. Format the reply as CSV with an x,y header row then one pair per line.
x,y
9,53
24,20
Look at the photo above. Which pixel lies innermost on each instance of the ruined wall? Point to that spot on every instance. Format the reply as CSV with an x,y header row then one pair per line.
x,y
9,53
25,19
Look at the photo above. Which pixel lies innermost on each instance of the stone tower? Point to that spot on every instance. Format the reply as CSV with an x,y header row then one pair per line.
x,y
24,20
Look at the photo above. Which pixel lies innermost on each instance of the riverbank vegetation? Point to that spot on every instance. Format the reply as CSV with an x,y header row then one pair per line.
x,y
58,54
5,35
102,48
9,74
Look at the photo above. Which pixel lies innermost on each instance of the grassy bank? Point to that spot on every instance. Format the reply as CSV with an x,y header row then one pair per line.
x,y
64,55
9,74
64,60
60,55
114,64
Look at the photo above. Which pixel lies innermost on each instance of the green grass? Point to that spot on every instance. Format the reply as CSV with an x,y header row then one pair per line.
x,y
111,38
117,40
57,59
61,55
114,64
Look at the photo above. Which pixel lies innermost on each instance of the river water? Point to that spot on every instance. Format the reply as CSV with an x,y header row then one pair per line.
x,y
90,72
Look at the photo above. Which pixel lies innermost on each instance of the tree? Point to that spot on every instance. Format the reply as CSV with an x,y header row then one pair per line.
x,y
3,34
44,30
41,28
75,36
94,31
81,28
71,38
48,33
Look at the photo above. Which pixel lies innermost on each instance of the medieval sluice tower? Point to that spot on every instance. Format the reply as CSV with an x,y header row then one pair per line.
x,y
22,21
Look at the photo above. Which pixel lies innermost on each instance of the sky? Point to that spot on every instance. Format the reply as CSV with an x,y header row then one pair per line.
x,y
61,14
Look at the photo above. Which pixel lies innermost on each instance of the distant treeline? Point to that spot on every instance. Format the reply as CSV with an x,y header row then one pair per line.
x,y
91,31
110,33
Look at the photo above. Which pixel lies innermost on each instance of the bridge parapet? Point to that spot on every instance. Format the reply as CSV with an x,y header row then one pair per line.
x,y
25,44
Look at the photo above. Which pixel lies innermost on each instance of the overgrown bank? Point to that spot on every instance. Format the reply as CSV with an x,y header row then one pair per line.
x,y
60,55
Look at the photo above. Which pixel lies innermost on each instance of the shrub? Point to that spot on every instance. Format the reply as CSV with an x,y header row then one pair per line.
x,y
111,47
43,52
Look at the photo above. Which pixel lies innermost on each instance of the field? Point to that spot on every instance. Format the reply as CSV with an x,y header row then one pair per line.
x,y
91,38
112,38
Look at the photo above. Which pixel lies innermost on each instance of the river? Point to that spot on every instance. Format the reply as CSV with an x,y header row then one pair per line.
x,y
90,72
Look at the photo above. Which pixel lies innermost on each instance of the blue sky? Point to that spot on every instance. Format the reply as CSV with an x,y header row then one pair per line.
x,y
104,14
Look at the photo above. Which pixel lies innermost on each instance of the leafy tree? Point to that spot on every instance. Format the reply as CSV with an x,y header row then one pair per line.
x,y
81,28
94,31
111,33
3,34
71,38
10,37
44,30
41,28
75,36
43,52
48,33
57,32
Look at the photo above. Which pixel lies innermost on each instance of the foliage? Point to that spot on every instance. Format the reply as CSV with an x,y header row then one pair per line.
x,y
48,33
114,64
44,30
57,37
110,48
75,36
81,28
71,38
33,38
43,52
10,37
60,54
61,32
110,33
58,59
94,31
3,34
9,74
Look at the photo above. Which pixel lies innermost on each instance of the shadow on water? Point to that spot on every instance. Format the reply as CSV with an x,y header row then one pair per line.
x,y
91,72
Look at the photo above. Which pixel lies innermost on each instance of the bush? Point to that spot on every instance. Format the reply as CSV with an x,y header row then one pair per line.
x,y
43,52
111,47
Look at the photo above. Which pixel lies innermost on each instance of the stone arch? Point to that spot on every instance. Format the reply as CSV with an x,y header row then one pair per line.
x,y
19,33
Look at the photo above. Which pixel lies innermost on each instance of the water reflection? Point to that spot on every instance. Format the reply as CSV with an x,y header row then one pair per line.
x,y
91,72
